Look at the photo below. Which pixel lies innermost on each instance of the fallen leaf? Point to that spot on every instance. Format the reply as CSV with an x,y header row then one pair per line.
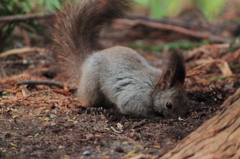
x,y
224,67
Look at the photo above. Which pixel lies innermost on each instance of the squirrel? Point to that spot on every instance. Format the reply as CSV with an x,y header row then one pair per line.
x,y
116,76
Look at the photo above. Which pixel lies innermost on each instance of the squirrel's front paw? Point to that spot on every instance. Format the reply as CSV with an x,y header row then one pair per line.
x,y
95,111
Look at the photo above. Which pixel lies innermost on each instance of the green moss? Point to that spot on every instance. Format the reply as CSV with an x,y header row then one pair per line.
x,y
214,79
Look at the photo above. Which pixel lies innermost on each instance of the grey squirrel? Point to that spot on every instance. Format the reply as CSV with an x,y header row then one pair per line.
x,y
119,75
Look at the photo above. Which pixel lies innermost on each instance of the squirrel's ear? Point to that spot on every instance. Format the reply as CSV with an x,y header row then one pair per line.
x,y
165,79
175,71
176,64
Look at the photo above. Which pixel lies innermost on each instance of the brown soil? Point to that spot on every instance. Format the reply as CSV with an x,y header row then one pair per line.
x,y
49,123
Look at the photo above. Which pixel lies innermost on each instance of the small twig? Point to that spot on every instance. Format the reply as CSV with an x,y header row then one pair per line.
x,y
205,62
220,46
205,49
45,82
24,62
184,24
194,73
202,35
22,50
119,132
139,124
25,17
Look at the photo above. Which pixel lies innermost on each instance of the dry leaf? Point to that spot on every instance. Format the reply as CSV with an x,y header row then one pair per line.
x,y
25,91
224,67
194,72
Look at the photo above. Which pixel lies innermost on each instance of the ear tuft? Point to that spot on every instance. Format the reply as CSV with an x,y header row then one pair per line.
x,y
165,80
176,64
175,71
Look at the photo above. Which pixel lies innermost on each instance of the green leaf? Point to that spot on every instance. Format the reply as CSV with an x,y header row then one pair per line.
x,y
163,8
50,4
144,3
174,45
222,77
211,8
179,44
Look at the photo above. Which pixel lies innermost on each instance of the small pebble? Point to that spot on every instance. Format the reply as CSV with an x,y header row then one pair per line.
x,y
53,116
86,153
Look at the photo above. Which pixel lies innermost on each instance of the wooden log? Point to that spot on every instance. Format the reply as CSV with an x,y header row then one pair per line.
x,y
219,137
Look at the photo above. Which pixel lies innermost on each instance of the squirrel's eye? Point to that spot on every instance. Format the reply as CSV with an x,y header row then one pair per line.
x,y
169,105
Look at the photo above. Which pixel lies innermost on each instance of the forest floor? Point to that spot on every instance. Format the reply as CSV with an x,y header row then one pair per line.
x,y
41,121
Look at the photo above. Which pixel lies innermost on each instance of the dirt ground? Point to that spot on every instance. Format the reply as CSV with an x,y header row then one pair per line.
x,y
41,121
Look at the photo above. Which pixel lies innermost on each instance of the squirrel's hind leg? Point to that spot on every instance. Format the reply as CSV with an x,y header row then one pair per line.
x,y
89,92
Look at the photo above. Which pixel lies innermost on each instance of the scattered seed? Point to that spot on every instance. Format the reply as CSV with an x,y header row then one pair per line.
x,y
42,104
15,116
86,153
65,157
12,144
105,153
5,92
180,119
52,116
29,136
47,119
61,147
37,115
49,93
130,154
120,126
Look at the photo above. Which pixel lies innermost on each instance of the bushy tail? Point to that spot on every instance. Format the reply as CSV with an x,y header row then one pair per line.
x,y
77,29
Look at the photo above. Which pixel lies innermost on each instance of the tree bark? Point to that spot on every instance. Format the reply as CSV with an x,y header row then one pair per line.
x,y
219,137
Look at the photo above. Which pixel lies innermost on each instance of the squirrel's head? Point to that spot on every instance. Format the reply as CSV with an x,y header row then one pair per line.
x,y
169,96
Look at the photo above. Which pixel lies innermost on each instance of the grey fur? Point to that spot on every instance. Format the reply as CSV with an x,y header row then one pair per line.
x,y
119,75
